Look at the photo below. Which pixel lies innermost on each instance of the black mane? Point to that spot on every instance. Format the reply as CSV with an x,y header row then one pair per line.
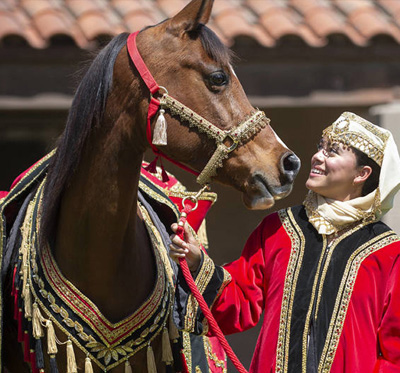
x,y
85,113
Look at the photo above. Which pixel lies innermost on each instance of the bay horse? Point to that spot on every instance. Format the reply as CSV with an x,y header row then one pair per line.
x,y
89,212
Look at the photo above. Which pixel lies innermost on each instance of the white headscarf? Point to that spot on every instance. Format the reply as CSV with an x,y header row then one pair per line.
x,y
329,216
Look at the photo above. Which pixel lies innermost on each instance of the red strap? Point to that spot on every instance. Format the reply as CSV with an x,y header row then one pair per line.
x,y
154,103
139,63
212,323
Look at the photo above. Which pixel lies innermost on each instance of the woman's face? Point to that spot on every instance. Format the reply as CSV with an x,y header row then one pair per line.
x,y
334,172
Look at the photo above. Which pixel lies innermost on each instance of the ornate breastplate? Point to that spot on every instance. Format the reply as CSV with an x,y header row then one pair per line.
x,y
44,297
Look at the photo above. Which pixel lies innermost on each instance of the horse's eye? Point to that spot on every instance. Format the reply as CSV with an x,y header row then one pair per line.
x,y
218,79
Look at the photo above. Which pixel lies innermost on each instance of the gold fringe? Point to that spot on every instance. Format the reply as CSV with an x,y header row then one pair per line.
x,y
26,295
51,338
37,320
128,368
167,356
173,330
71,362
88,365
151,362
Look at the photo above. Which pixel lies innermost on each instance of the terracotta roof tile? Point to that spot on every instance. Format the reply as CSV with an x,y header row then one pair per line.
x,y
268,22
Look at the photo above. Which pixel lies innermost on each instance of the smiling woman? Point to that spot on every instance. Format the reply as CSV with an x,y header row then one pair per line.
x,y
326,273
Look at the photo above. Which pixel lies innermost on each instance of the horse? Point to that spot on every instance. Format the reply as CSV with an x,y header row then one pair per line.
x,y
91,220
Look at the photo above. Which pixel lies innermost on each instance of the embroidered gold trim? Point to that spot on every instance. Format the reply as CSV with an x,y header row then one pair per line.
x,y
112,353
157,196
344,295
321,281
187,349
202,280
292,273
211,355
3,203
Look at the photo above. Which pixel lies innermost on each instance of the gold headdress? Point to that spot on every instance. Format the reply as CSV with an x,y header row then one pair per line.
x,y
352,130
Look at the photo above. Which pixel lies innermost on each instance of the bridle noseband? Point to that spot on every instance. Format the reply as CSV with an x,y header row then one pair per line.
x,y
226,141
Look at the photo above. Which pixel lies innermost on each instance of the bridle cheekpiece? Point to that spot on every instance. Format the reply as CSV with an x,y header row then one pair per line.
x,y
226,141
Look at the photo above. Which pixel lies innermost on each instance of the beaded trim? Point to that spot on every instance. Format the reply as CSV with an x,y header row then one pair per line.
x,y
340,131
235,136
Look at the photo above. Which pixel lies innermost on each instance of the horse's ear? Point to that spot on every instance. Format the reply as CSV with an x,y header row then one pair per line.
x,y
189,18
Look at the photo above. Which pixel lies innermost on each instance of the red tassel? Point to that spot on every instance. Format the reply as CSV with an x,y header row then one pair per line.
x,y
16,304
152,167
33,362
13,281
20,329
27,355
164,174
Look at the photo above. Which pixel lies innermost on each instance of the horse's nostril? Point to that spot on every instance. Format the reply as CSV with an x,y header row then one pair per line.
x,y
291,165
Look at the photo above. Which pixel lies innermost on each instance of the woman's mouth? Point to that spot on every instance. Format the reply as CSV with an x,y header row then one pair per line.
x,y
317,171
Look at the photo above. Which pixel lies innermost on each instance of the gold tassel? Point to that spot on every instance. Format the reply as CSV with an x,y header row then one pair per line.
x,y
173,330
160,130
167,357
71,362
128,368
37,320
51,338
88,365
26,295
151,361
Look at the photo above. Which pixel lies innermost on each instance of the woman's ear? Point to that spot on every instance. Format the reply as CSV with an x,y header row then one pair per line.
x,y
363,174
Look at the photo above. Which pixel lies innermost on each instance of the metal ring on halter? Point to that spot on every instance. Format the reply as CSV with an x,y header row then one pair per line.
x,y
234,145
160,87
193,199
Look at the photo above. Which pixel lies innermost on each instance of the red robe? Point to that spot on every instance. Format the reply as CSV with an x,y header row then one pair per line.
x,y
325,309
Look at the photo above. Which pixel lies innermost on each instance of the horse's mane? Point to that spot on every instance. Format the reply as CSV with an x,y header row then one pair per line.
x,y
86,112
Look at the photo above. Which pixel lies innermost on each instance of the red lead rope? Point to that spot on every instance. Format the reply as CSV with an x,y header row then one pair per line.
x,y
215,329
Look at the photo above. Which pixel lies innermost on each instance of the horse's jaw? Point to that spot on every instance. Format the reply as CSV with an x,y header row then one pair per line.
x,y
261,195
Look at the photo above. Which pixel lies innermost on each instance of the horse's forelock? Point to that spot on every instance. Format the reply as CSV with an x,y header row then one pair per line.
x,y
213,46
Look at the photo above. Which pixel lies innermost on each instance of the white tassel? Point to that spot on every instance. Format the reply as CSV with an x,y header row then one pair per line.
x,y
160,130
26,295
151,361
71,362
173,330
51,338
37,319
128,368
167,357
88,365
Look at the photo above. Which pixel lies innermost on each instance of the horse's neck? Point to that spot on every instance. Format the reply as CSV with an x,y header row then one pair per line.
x,y
101,242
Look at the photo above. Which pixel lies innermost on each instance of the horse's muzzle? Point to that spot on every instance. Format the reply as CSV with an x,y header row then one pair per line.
x,y
289,167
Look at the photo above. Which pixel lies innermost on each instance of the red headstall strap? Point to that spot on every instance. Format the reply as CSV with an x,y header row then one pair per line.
x,y
154,103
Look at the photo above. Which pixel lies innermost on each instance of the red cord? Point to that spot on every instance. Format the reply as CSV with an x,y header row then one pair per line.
x,y
215,329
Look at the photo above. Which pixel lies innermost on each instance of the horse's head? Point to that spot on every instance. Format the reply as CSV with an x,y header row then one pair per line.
x,y
189,60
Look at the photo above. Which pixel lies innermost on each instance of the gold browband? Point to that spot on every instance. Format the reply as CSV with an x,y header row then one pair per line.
x,y
234,137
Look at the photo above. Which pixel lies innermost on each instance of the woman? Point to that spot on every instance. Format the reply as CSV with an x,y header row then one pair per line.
x,y
326,273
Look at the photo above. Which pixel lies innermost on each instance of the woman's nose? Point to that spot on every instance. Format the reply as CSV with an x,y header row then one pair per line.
x,y
319,155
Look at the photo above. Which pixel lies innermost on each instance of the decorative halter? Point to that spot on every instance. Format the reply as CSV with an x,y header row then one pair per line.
x,y
226,141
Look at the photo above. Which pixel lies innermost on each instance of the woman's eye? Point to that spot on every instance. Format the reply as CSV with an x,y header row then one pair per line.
x,y
218,79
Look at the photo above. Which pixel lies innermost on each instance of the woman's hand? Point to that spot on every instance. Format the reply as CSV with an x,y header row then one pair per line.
x,y
189,248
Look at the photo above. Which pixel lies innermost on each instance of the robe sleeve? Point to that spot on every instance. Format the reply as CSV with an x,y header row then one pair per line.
x,y
234,292
389,329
